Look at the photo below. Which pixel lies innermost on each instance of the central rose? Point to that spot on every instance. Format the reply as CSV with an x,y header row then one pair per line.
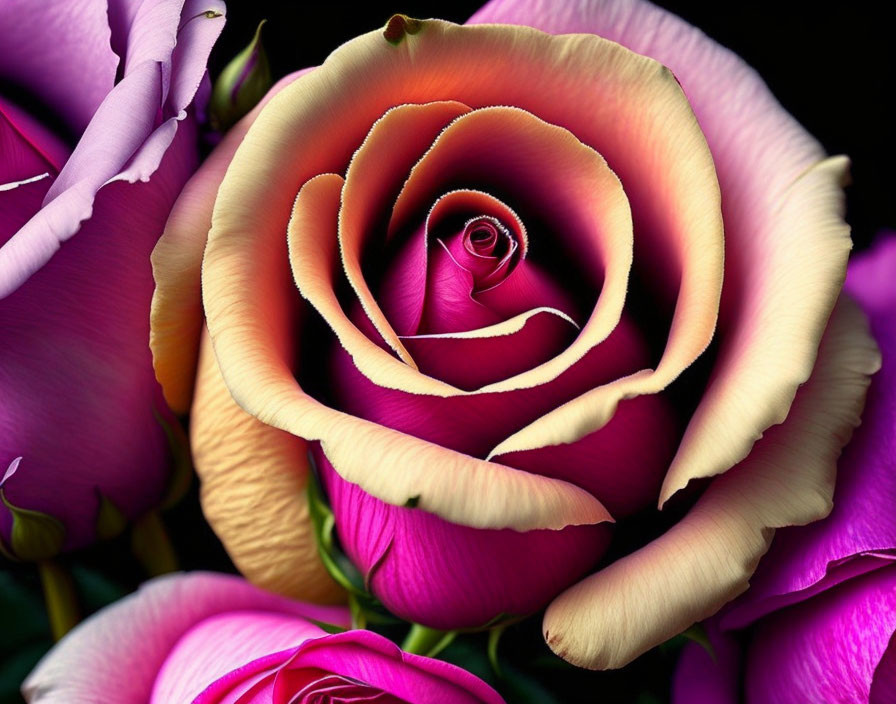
x,y
465,270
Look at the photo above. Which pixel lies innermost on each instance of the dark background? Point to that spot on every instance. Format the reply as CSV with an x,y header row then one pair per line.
x,y
830,64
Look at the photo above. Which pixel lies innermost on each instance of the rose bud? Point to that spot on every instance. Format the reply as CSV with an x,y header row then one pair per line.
x,y
210,638
818,623
98,123
504,288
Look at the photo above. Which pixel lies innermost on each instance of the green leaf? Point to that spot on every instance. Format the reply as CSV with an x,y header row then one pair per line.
x,y
110,521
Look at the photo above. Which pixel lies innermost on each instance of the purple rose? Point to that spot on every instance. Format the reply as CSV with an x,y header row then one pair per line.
x,y
98,127
821,612
211,638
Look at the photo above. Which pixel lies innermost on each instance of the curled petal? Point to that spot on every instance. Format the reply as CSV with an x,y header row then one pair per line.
x,y
176,318
707,559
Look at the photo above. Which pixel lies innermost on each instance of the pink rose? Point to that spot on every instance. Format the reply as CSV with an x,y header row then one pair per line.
x,y
506,288
210,638
86,184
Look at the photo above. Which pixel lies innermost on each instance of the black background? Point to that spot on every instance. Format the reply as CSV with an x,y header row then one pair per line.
x,y
830,64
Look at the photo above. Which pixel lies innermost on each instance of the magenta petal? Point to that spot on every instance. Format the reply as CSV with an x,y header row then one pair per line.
x,y
470,361
28,148
615,464
825,649
701,678
77,363
860,533
443,575
375,661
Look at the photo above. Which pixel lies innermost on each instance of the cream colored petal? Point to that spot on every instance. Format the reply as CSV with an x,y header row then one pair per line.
x,y
513,148
706,559
254,480
374,177
634,114
176,315
457,487
772,342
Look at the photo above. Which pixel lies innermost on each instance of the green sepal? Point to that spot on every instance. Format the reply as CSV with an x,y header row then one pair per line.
x,y
494,638
110,521
241,85
425,641
337,563
698,634
181,463
34,535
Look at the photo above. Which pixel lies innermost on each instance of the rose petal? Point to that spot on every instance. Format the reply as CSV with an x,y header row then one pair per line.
x,y
216,646
470,360
42,54
769,336
373,178
860,533
446,576
825,649
707,559
635,115
777,219
508,148
100,654
176,319
254,491
28,148
111,148
77,364
442,481
370,658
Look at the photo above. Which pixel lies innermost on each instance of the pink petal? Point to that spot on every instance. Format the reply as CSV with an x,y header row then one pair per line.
x,y
860,533
121,649
220,644
370,658
430,571
827,648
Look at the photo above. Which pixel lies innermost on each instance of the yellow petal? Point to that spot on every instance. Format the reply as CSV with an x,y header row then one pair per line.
x,y
796,268
706,559
254,480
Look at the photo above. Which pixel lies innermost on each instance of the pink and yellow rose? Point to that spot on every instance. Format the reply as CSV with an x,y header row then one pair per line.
x,y
504,287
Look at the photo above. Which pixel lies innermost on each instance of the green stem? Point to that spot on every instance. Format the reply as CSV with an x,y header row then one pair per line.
x,y
152,547
426,641
60,598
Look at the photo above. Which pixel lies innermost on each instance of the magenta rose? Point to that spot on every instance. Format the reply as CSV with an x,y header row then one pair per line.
x,y
212,639
98,133
502,288
819,619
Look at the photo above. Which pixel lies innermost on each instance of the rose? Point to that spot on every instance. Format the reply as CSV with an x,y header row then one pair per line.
x,y
821,612
473,443
208,638
109,142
